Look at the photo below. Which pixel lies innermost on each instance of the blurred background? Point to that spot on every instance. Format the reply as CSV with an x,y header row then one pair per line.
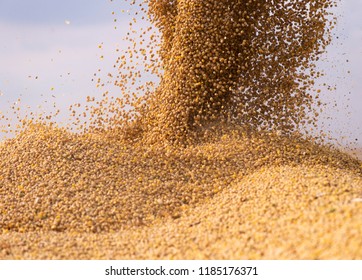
x,y
51,50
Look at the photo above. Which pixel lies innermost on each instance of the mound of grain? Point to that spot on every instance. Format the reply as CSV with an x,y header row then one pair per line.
x,y
209,165
287,212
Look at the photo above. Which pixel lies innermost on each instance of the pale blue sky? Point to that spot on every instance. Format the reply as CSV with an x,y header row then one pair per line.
x,y
36,41
45,12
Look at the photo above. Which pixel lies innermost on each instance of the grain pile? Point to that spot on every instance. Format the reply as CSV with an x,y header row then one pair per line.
x,y
211,164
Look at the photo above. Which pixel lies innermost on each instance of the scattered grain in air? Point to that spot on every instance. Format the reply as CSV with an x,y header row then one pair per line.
x,y
212,162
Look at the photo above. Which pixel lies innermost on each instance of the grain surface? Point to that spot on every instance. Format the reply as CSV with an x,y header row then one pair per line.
x,y
212,163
